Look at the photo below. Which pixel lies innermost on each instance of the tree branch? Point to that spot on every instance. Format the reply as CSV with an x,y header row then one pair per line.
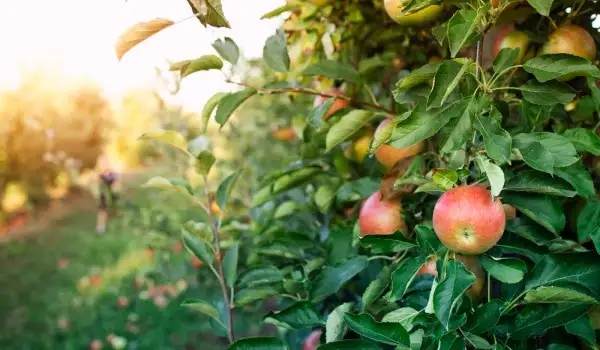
x,y
316,93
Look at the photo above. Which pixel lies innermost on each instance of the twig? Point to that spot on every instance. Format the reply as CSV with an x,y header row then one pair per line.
x,y
221,275
316,93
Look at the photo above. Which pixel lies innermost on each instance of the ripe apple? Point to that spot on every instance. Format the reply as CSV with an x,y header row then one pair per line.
x,y
395,9
508,37
337,104
214,208
571,39
285,134
360,146
96,344
389,155
509,211
467,220
123,302
471,263
381,217
313,340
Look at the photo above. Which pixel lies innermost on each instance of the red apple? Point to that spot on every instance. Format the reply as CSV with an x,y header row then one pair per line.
x,y
389,155
467,220
508,37
285,134
471,263
313,340
571,39
381,217
337,104
395,10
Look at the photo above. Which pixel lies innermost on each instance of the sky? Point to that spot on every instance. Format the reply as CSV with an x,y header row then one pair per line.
x,y
77,38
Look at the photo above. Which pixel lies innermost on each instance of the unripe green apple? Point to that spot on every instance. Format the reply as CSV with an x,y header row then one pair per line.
x,y
395,9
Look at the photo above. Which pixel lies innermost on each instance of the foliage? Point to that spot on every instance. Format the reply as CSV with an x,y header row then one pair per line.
x,y
523,130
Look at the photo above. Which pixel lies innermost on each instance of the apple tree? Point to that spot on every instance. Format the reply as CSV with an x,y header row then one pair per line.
x,y
443,194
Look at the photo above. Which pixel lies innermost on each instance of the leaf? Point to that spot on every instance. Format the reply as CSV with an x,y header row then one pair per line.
x,y
538,157
315,117
404,274
418,76
461,132
485,317
383,244
227,49
445,178
530,230
446,80
582,327
258,343
333,70
230,103
205,308
335,327
560,148
281,250
498,141
543,209
548,67
225,188
403,315
536,319
422,124
275,52
283,183
170,137
477,342
428,240
449,291
207,62
450,341
138,33
541,6
347,126
494,174
260,275
280,10
300,315
584,140
513,244
588,220
204,162
462,29
547,94
505,59
230,264
209,12
357,189
249,295
537,182
376,288
384,332
352,344
197,247
579,269
333,278
179,66
507,270
578,177
209,107
557,295
159,182
324,198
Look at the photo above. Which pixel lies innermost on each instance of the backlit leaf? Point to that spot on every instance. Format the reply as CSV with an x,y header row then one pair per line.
x,y
138,33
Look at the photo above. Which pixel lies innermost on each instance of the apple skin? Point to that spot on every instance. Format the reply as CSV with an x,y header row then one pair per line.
x,y
313,340
337,104
514,39
471,263
360,146
320,2
468,221
509,211
571,39
389,155
381,217
285,134
394,10
495,3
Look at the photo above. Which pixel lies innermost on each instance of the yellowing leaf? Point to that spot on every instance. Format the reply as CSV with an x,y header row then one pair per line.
x,y
138,33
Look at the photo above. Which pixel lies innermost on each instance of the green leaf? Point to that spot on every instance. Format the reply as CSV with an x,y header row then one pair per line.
x,y
285,182
258,343
331,279
584,140
462,29
203,63
384,332
230,264
228,104
209,12
205,308
581,269
227,49
513,244
225,188
404,274
582,327
588,220
450,341
498,142
541,6
197,247
445,178
347,126
200,230
335,327
536,319
275,52
333,70
383,244
403,315
548,67
485,317
281,250
557,295
560,148
179,66
159,182
538,157
376,288
428,240
416,77
169,137
260,275
543,209
462,131
300,315
530,230
249,295
209,107
494,174
547,94
449,291
422,124
505,59
595,235
538,182
315,117
357,189
578,177
505,270
204,162
446,80
280,10
352,344
324,197
477,342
